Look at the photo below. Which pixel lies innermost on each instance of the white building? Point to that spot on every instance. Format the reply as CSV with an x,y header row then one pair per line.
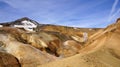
x,y
27,25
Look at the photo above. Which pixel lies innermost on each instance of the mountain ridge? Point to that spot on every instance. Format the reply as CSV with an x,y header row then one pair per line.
x,y
60,46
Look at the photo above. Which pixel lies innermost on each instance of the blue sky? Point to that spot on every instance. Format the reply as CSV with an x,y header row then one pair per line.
x,y
77,13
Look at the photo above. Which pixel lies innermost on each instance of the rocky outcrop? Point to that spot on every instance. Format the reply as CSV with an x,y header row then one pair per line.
x,y
7,60
27,55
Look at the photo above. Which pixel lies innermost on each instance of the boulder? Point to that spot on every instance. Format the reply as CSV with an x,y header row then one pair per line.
x,y
8,60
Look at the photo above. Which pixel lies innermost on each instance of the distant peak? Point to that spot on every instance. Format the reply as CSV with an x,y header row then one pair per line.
x,y
24,18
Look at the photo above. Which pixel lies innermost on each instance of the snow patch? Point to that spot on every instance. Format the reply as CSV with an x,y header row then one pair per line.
x,y
27,25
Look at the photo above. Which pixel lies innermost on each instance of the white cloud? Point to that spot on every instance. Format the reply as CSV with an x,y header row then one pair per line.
x,y
115,15
113,11
62,11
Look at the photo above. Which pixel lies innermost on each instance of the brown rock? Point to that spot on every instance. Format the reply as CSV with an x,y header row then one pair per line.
x,y
7,60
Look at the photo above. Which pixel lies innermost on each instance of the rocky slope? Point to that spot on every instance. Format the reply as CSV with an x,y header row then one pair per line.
x,y
67,30
101,50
